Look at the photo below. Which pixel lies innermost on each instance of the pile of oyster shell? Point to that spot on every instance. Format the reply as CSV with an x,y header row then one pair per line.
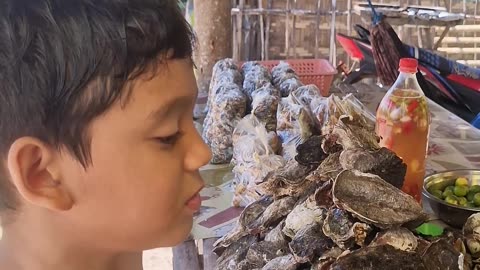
x,y
338,206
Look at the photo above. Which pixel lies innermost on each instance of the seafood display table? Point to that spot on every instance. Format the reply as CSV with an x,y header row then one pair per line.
x,y
454,144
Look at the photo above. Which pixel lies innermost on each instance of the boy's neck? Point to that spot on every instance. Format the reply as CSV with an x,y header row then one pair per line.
x,y
20,251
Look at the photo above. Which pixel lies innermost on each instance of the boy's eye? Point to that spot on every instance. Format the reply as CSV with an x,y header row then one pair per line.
x,y
169,140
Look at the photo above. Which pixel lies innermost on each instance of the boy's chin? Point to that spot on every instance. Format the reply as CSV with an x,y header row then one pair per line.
x,y
179,234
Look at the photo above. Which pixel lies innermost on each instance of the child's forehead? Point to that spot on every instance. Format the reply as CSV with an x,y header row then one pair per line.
x,y
172,85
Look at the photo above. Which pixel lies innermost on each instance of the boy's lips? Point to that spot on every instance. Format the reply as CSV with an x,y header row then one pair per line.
x,y
195,202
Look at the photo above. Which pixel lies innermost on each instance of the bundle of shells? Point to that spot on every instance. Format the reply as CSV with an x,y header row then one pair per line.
x,y
337,205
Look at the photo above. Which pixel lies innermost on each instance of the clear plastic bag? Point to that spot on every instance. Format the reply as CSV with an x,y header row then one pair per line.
x,y
285,79
226,111
254,156
309,95
295,124
224,71
264,106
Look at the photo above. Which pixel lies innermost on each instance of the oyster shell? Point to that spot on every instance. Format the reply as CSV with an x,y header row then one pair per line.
x,y
399,238
235,253
366,197
253,211
383,162
261,253
310,151
471,231
328,169
383,257
338,226
309,243
323,195
245,265
303,215
276,235
441,255
343,230
286,262
287,181
328,257
272,215
330,145
249,215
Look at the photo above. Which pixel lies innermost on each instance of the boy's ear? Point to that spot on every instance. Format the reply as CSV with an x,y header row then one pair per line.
x,y
35,172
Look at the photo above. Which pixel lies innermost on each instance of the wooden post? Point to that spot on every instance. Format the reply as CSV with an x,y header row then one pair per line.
x,y
214,32
209,258
185,256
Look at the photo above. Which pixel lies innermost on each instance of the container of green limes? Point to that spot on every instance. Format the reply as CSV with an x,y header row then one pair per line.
x,y
453,195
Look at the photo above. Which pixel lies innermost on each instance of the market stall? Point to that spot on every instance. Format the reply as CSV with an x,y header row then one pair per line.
x,y
454,144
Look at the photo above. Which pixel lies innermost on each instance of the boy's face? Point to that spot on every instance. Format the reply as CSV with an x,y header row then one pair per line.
x,y
137,194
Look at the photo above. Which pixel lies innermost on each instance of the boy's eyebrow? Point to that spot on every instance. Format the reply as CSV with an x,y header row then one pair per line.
x,y
166,109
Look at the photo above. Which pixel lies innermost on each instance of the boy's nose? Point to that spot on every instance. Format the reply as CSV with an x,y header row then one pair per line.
x,y
199,154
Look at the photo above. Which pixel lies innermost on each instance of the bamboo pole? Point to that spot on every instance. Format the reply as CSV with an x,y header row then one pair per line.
x,y
333,47
317,25
267,34
294,25
287,29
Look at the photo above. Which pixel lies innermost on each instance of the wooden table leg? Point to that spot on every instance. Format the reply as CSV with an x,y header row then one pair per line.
x,y
209,258
185,256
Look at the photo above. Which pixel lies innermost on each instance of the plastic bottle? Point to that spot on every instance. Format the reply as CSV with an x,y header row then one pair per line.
x,y
403,124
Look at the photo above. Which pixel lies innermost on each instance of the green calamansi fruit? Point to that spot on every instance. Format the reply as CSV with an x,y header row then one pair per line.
x,y
460,191
437,193
451,199
461,181
462,201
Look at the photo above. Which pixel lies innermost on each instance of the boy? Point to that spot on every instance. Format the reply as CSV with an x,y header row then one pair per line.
x,y
99,153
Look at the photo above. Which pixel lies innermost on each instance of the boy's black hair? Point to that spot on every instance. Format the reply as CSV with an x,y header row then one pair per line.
x,y
64,62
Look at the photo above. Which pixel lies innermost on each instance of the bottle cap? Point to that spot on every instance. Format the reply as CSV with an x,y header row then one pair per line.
x,y
409,65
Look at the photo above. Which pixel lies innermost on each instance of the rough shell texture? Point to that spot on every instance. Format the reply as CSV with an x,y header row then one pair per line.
x,y
272,215
472,225
441,255
338,226
323,195
304,214
246,265
383,257
286,262
400,238
289,180
253,211
327,259
310,152
330,145
351,133
261,253
382,162
366,195
309,243
276,235
248,216
328,169
235,253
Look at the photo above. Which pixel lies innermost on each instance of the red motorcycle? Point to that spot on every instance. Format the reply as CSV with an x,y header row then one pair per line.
x,y
454,86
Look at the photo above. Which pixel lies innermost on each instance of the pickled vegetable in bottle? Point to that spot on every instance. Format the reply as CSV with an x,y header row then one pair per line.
x,y
403,124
